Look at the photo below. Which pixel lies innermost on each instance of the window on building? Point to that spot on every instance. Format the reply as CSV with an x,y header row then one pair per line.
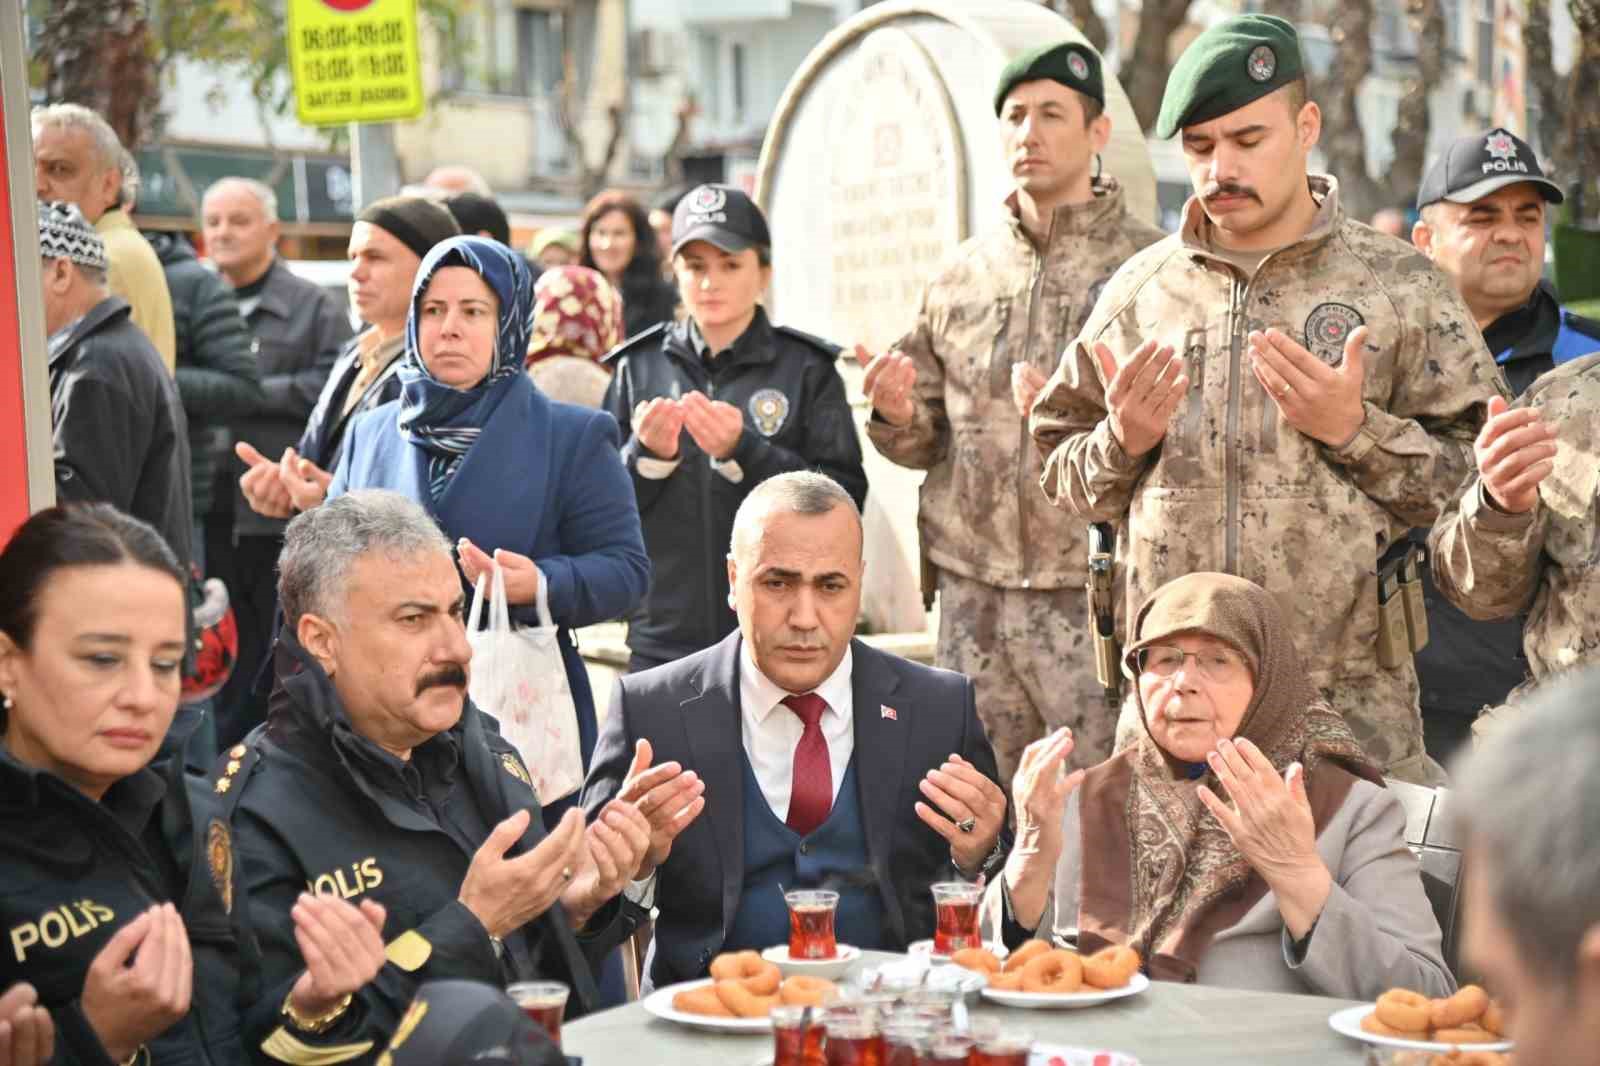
x,y
506,50
1486,41
738,64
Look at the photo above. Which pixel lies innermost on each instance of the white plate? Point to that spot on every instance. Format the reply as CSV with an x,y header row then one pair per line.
x,y
1347,1022
827,969
1049,1054
925,948
659,1003
1065,1000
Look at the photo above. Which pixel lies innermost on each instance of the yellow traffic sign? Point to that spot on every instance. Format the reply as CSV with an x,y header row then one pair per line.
x,y
354,60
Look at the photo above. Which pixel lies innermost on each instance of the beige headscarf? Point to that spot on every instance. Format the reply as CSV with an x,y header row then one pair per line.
x,y
1160,873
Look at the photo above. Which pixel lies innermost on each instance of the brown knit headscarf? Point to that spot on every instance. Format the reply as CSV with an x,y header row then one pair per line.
x,y
1160,873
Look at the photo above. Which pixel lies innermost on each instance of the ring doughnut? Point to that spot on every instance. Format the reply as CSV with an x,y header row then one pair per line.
x,y
1008,982
979,959
1024,955
743,1003
703,1000
1410,1012
1111,967
758,976
1467,1034
1470,1058
1371,1024
1493,1020
806,991
1467,1005
1055,971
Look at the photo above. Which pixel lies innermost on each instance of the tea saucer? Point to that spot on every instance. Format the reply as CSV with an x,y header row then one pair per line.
x,y
925,948
827,969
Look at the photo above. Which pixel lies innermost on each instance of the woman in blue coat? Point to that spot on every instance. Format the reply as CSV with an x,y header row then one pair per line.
x,y
510,474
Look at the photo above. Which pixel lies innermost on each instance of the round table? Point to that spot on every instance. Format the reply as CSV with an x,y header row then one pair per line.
x,y
1167,1025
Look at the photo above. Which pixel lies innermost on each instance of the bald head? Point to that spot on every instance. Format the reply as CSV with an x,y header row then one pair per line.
x,y
798,493
452,180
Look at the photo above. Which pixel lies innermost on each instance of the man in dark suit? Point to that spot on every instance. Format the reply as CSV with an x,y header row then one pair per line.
x,y
821,762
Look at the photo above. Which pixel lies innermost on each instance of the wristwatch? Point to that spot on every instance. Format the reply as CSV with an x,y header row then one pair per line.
x,y
321,1023
990,861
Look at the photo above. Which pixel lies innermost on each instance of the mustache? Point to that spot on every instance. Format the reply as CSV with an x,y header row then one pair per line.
x,y
808,641
1228,188
451,675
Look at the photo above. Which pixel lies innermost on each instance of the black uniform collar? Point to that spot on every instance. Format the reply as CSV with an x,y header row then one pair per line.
x,y
131,801
755,344
1527,331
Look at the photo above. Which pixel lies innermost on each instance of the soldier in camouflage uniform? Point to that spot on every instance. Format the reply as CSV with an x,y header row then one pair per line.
x,y
1525,534
1010,568
1277,391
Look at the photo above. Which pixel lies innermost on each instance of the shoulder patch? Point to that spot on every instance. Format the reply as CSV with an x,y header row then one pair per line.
x,y
769,408
219,857
811,340
637,340
514,767
1327,327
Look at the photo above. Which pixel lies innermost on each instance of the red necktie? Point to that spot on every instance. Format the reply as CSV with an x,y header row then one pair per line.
x,y
811,794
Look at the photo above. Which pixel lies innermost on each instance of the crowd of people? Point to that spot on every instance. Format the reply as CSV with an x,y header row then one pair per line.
x,y
1224,526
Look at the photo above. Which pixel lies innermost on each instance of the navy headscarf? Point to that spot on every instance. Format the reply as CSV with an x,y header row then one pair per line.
x,y
445,421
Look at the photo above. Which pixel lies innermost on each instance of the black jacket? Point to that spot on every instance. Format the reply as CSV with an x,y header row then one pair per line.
x,y
315,805
690,712
323,437
120,436
77,871
1470,664
647,300
217,376
299,330
796,418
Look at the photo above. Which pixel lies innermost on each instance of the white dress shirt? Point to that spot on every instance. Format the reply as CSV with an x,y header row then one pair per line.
x,y
772,730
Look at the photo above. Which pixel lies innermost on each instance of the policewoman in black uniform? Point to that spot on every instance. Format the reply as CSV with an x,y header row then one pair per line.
x,y
119,899
712,405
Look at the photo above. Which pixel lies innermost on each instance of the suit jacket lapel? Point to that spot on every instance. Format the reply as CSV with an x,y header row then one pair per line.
x,y
880,757
715,732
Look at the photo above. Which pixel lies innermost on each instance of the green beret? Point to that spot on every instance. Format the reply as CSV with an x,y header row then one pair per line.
x,y
1234,63
1077,66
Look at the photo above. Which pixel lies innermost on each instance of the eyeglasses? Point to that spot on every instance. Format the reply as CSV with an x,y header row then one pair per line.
x,y
1216,664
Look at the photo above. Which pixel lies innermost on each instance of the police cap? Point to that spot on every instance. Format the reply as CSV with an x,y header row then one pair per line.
x,y
1234,63
721,215
464,1021
1473,166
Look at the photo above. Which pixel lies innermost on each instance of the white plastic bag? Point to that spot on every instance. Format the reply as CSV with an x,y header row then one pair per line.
x,y
519,677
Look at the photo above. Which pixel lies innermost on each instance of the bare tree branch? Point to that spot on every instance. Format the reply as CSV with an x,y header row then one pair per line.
x,y
1410,135
1144,73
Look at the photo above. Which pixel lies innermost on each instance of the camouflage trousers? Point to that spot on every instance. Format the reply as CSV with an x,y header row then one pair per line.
x,y
1381,710
1029,653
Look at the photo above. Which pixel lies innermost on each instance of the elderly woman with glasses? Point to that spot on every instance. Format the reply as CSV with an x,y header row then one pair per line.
x,y
1244,840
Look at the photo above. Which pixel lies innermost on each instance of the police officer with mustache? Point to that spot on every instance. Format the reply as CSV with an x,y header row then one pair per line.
x,y
374,779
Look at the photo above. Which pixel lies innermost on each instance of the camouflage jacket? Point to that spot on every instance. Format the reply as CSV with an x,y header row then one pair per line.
x,y
998,300
1545,562
1234,487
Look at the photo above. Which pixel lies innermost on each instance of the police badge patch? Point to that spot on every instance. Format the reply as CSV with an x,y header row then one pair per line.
x,y
769,408
1262,63
708,198
1328,326
1079,67
219,857
514,767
